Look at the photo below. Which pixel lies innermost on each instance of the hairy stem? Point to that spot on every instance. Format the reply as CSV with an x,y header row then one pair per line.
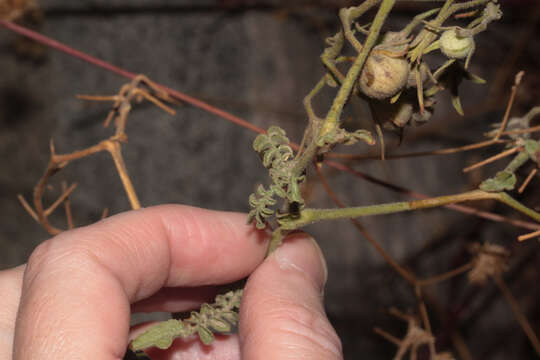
x,y
309,216
344,93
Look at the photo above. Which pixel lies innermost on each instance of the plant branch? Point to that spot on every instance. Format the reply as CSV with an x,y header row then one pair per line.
x,y
514,305
492,159
309,216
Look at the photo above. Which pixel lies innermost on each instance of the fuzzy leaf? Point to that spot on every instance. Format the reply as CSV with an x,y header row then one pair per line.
x,y
504,180
160,335
219,325
230,316
205,335
533,150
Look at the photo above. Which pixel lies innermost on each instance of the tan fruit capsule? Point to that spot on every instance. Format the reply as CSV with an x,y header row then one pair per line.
x,y
455,46
383,76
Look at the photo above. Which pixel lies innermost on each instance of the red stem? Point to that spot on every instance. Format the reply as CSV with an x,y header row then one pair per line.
x,y
127,74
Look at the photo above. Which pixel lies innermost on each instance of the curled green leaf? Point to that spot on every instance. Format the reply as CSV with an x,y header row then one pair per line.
x,y
205,335
160,335
219,325
230,316
503,181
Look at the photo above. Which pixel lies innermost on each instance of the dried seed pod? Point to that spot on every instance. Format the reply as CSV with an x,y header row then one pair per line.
x,y
383,76
455,46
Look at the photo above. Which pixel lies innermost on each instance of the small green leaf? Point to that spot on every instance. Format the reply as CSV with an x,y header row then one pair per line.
x,y
457,104
205,335
533,149
365,136
219,325
475,78
160,335
230,316
504,180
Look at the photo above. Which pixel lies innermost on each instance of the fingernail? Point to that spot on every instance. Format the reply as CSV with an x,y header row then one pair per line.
x,y
301,252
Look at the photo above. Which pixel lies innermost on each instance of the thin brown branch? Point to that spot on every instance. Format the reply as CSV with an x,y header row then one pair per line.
x,y
400,315
104,214
517,81
516,309
67,207
391,338
522,131
154,101
425,319
492,159
60,200
529,236
466,14
461,346
97,97
447,275
528,180
447,151
114,148
28,208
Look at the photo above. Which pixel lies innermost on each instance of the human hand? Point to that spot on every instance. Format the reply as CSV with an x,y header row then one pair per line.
x,y
74,297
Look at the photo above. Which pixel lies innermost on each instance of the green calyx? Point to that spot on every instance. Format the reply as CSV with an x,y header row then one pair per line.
x,y
455,46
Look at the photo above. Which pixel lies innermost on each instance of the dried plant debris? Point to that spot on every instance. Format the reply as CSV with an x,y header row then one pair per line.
x,y
140,88
489,260
415,337
12,10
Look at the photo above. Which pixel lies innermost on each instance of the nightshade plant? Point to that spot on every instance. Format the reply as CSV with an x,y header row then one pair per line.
x,y
388,70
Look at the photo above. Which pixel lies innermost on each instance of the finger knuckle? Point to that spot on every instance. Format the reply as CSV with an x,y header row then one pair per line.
x,y
55,254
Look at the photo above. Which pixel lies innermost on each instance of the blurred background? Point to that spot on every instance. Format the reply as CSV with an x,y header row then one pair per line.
x,y
258,59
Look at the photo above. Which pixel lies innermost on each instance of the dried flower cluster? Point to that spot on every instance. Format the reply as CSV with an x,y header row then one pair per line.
x,y
490,260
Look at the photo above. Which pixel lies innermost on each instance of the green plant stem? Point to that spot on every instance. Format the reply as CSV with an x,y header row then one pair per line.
x,y
333,116
427,36
417,21
344,93
275,240
517,162
309,216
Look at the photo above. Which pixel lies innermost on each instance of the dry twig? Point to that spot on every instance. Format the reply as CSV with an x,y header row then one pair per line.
x,y
11,10
140,88
415,337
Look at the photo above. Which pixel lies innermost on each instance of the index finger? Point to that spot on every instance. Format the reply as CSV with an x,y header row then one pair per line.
x,y
78,286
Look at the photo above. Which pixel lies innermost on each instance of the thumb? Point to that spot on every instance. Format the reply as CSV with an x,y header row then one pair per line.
x,y
282,314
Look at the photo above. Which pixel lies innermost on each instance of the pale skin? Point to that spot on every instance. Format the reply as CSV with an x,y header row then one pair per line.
x,y
73,298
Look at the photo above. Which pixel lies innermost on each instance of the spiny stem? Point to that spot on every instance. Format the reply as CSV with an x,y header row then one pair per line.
x,y
309,216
